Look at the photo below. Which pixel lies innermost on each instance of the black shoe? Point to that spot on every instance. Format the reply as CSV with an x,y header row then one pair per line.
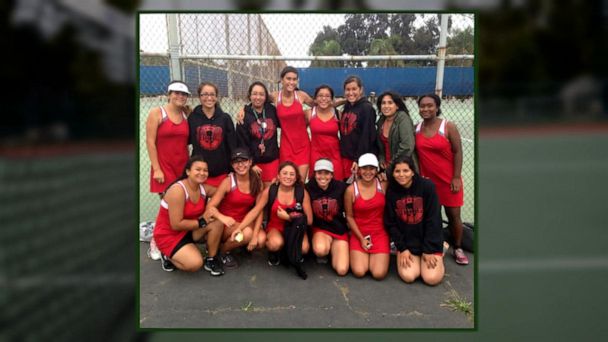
x,y
300,271
166,264
214,266
229,261
273,259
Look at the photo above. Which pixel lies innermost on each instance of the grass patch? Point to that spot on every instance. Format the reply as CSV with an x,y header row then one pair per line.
x,y
456,302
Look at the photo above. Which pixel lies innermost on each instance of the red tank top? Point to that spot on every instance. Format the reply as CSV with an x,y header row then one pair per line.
x,y
437,163
236,203
387,148
325,142
167,238
295,143
369,213
171,150
274,221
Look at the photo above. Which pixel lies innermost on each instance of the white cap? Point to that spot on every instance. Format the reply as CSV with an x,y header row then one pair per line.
x,y
368,159
178,86
324,164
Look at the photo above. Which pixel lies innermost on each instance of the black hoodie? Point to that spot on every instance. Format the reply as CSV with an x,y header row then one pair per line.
x,y
328,206
413,217
212,138
357,129
250,134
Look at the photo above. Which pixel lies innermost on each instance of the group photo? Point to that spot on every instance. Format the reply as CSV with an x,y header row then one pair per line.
x,y
306,170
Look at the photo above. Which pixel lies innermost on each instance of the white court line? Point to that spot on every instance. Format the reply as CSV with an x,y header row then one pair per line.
x,y
545,264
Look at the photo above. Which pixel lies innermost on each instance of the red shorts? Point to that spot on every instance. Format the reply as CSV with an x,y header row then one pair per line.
x,y
380,242
269,170
343,237
346,165
216,181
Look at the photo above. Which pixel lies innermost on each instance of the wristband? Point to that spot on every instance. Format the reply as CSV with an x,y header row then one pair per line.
x,y
202,223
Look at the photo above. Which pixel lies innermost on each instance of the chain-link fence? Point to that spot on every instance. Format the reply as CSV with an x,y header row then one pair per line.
x,y
396,52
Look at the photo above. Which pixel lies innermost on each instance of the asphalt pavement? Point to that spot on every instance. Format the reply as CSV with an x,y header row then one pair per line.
x,y
257,295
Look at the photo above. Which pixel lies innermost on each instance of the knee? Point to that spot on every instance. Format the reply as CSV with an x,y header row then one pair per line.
x,y
432,279
274,245
193,265
247,235
341,270
378,274
320,249
408,277
359,272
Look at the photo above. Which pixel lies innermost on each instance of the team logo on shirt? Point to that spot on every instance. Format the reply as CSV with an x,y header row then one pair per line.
x,y
348,122
209,136
410,209
325,208
262,129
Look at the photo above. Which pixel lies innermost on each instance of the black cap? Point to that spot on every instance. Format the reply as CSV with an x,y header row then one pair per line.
x,y
240,153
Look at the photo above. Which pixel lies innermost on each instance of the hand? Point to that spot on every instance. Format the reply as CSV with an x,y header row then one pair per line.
x,y
257,170
383,165
159,176
253,243
234,233
227,220
456,184
406,259
382,176
282,214
430,260
354,168
240,116
365,243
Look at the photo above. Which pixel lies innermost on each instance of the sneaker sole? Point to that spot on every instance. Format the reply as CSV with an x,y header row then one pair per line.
x,y
213,273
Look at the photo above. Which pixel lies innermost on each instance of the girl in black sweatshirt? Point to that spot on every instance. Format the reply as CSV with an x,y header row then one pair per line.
x,y
413,219
357,126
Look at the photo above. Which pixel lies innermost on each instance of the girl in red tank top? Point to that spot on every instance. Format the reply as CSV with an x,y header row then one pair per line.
x,y
288,178
439,150
180,221
234,198
324,127
364,207
167,138
294,143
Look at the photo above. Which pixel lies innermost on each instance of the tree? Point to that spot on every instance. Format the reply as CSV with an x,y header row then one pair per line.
x,y
461,43
385,47
326,48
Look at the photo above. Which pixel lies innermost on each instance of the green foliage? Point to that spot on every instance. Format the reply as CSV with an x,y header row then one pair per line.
x,y
461,42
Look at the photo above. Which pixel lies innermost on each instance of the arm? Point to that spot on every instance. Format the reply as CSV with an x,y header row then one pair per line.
x,y
151,129
456,144
307,115
432,240
307,208
391,223
230,134
253,243
349,199
212,207
306,99
407,140
176,199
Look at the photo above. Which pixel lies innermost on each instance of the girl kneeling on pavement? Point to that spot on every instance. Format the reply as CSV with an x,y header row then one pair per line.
x,y
288,178
329,232
413,218
364,207
235,196
180,221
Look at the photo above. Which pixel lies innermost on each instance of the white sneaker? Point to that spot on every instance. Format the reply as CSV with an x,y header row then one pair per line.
x,y
153,252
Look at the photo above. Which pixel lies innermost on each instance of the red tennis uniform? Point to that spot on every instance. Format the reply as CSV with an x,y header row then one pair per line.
x,y
236,203
325,143
369,216
167,238
171,150
295,143
274,222
437,163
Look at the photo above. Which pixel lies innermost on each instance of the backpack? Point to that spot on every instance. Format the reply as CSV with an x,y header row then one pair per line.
x,y
468,236
294,230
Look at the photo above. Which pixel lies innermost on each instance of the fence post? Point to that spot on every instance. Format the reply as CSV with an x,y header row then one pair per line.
x,y
441,55
174,47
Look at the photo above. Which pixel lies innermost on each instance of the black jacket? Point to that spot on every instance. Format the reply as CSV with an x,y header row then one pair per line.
x,y
251,133
214,139
328,206
358,129
413,217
